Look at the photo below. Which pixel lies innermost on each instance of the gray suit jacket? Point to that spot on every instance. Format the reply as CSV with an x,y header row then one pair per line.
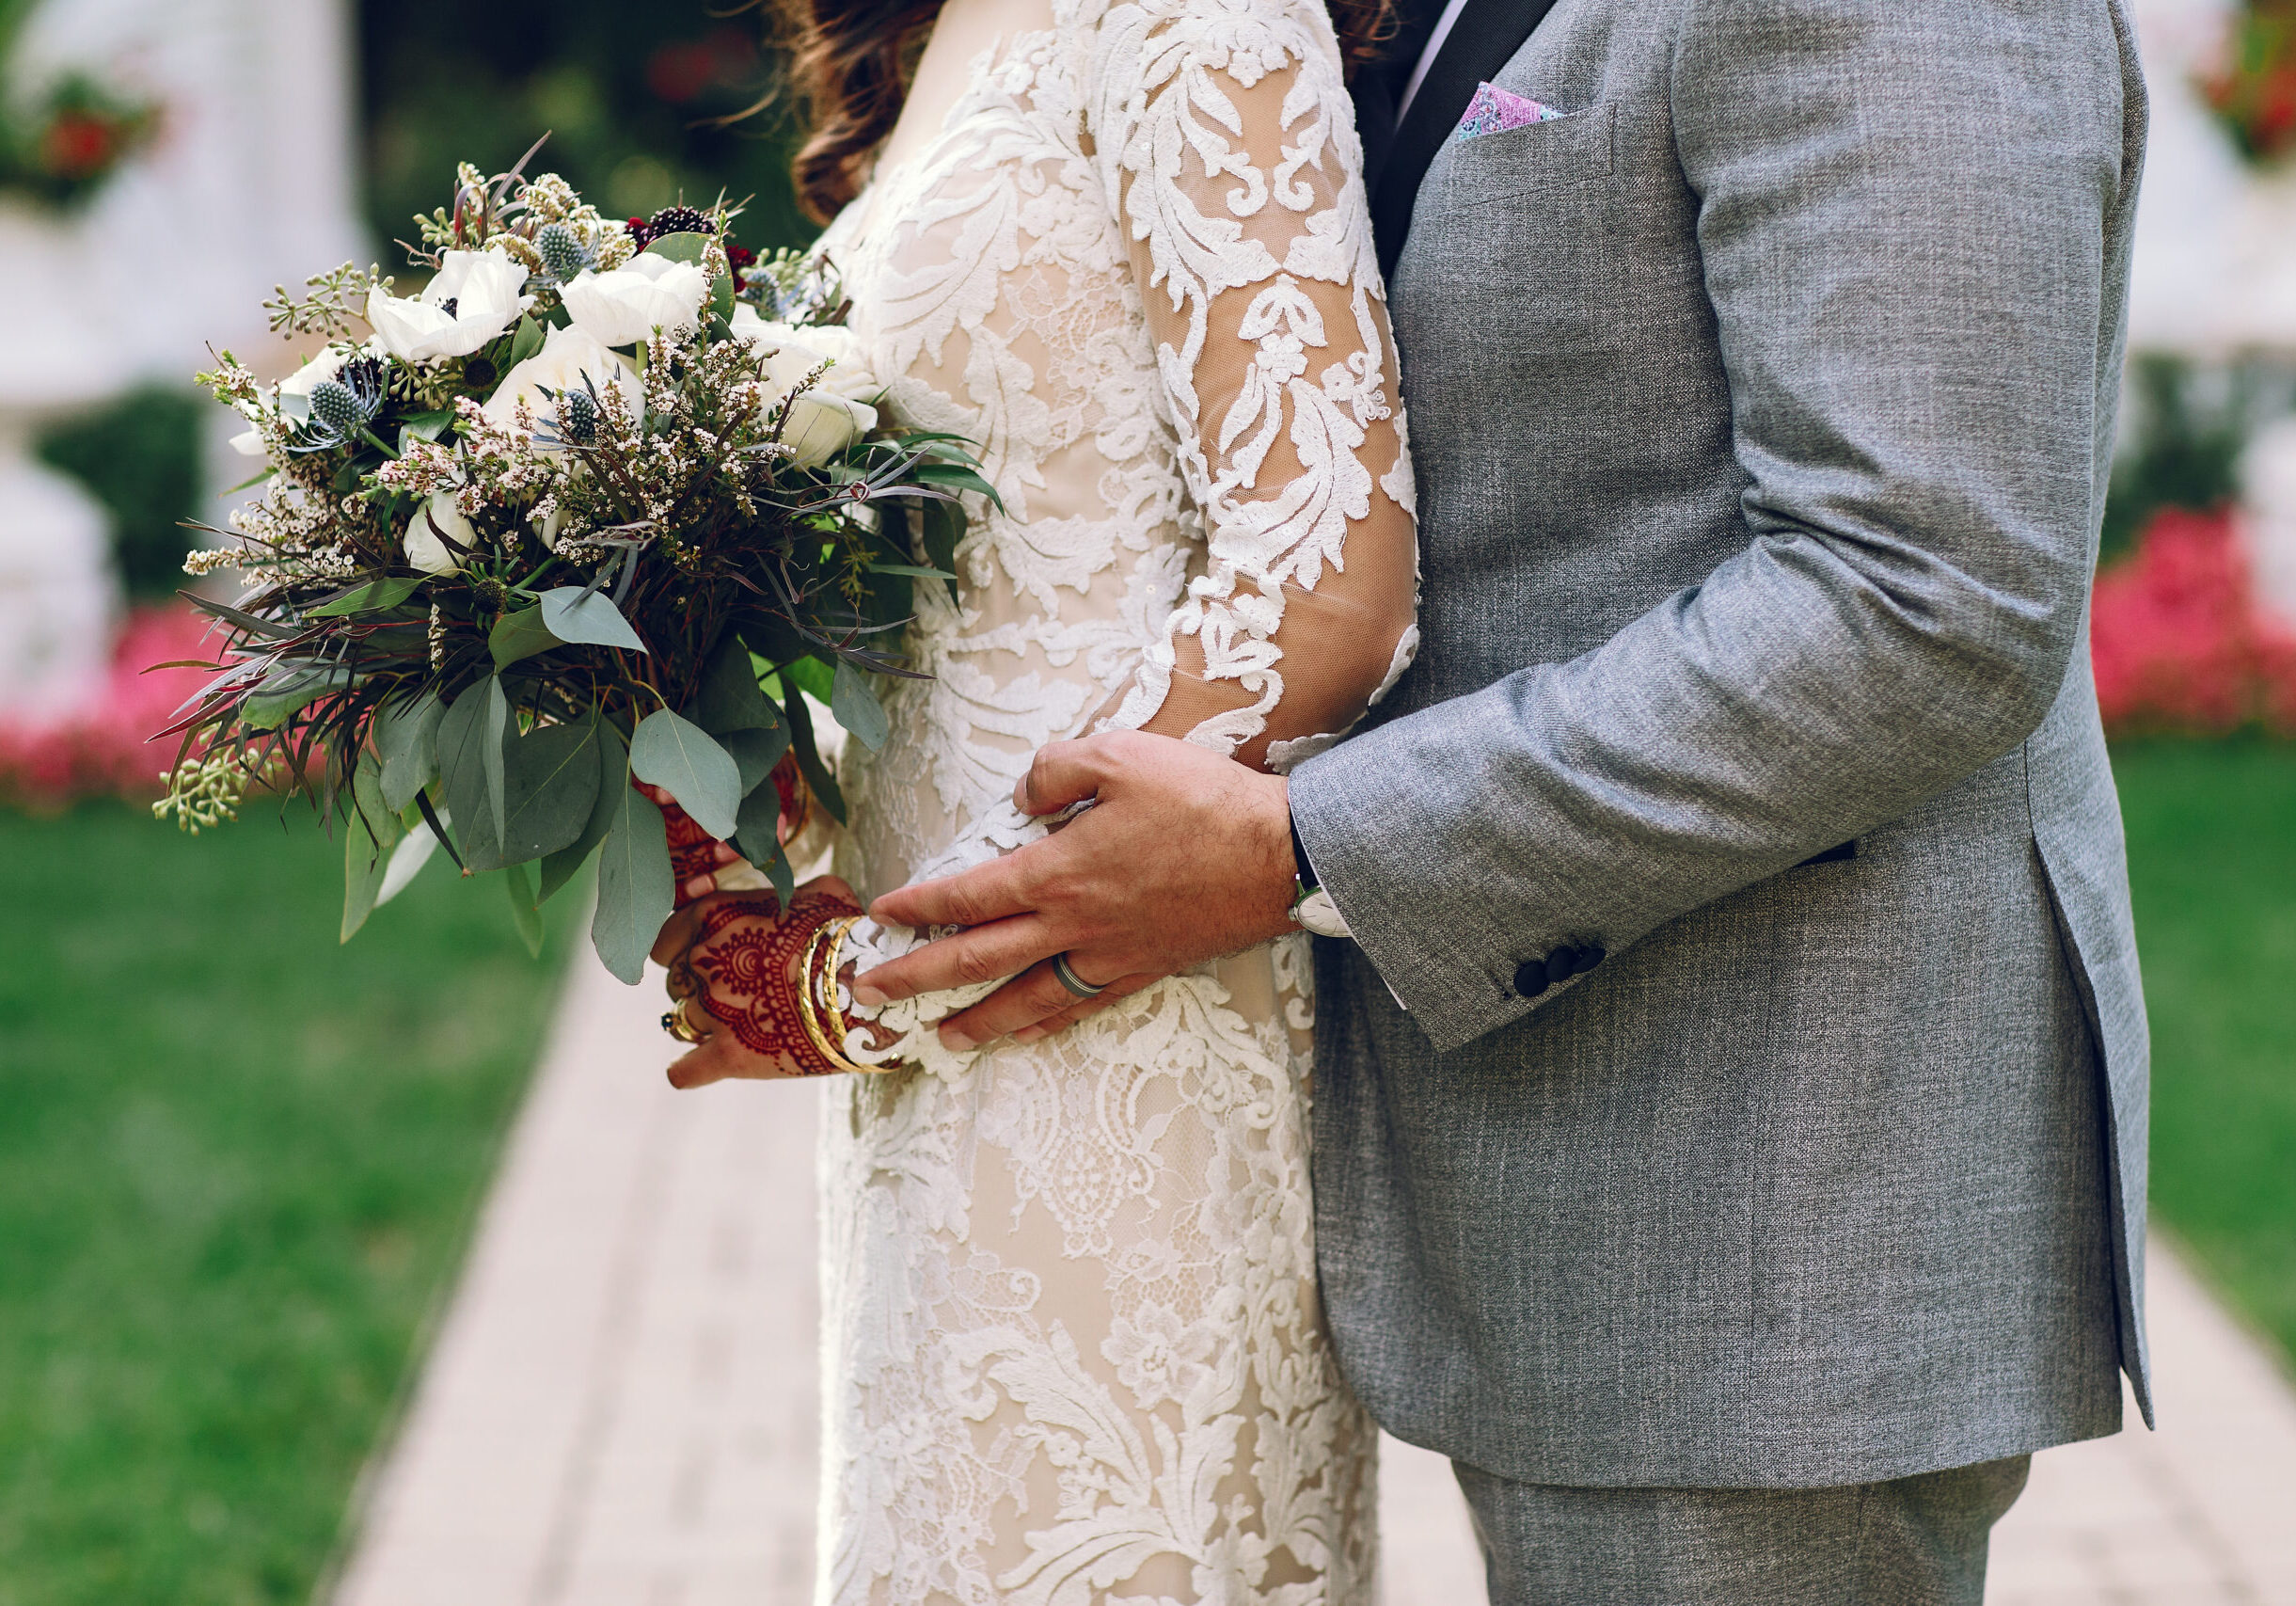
x,y
1762,410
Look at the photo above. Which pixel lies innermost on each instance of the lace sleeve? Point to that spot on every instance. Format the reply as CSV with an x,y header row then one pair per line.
x,y
1227,139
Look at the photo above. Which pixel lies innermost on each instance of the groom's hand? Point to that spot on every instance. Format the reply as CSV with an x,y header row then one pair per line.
x,y
1184,856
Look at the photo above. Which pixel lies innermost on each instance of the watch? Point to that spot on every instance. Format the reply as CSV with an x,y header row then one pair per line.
x,y
1311,906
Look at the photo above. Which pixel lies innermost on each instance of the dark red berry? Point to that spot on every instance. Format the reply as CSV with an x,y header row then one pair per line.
x,y
678,221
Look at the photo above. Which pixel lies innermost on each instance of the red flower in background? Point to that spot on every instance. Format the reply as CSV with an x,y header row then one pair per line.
x,y
110,751
682,71
76,145
2176,639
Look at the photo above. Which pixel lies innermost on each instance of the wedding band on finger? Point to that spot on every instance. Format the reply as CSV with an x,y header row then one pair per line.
x,y
674,1021
1073,981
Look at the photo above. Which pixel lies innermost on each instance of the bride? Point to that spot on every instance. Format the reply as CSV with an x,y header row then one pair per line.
x,y
1074,1350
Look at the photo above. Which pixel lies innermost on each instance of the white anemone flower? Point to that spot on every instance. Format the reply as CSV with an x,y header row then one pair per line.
x,y
647,292
567,357
474,298
832,414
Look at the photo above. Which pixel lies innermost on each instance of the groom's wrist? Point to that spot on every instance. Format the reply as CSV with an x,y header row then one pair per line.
x,y
1311,907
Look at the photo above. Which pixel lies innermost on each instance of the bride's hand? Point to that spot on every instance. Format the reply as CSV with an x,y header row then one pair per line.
x,y
736,963
690,847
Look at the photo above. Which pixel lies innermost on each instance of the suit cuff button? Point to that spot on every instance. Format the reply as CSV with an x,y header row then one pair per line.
x,y
1531,977
1587,959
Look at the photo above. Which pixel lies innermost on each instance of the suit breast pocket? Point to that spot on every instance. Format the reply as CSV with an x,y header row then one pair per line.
x,y
1523,224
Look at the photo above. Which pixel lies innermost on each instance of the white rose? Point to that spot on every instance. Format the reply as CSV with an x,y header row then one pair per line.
x,y
424,550
832,414
482,287
647,292
567,357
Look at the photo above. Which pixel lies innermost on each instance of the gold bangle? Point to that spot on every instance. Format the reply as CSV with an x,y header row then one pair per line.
x,y
806,1003
837,968
805,995
832,1010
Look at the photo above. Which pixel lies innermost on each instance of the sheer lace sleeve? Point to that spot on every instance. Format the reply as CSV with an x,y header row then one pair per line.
x,y
1227,140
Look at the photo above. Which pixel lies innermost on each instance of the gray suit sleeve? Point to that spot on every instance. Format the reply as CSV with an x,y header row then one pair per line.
x,y
1901,209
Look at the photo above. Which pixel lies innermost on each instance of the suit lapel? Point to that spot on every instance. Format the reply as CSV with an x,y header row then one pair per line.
x,y
1482,41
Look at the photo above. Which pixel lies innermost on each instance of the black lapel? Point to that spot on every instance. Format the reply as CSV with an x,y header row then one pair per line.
x,y
1482,41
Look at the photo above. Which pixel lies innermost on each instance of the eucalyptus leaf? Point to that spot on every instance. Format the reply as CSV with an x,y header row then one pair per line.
x,y
614,773
497,734
754,753
592,618
288,687
783,875
462,776
406,861
757,831
680,247
550,780
525,342
525,908
856,708
385,591
519,635
635,890
684,760
430,426
407,739
809,757
371,832
729,698
812,675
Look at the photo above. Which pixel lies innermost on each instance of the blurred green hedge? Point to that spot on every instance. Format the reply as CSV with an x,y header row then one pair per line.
x,y
140,457
631,96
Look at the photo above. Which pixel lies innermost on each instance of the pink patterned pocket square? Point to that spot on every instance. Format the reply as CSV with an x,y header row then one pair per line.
x,y
1494,110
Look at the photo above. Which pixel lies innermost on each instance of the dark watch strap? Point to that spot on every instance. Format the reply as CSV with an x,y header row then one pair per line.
x,y
1302,866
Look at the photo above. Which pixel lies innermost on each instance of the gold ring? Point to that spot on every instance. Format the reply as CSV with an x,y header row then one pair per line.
x,y
674,1022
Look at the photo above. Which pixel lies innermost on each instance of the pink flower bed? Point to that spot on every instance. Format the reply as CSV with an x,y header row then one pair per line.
x,y
2179,645
109,751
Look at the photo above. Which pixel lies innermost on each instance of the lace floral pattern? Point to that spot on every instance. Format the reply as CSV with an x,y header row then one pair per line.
x,y
1074,1346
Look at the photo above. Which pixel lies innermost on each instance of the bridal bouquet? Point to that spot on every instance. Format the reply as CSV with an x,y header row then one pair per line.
x,y
601,506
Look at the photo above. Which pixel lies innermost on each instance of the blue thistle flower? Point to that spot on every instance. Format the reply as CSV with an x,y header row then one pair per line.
x,y
344,406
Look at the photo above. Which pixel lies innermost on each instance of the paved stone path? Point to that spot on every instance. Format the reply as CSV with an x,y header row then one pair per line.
x,y
619,1406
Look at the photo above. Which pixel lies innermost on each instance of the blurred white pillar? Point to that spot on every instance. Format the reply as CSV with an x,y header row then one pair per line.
x,y
250,185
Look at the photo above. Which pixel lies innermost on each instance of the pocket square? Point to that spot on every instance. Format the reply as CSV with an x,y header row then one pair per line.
x,y
1494,110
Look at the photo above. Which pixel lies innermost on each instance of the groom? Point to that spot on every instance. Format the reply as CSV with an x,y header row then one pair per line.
x,y
1731,1104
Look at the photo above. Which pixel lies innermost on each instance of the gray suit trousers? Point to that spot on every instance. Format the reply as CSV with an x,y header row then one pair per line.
x,y
1918,1541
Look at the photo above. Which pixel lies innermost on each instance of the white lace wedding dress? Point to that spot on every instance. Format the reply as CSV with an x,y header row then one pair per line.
x,y
1073,1347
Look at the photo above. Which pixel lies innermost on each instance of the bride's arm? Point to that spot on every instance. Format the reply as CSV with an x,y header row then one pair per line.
x,y
1225,137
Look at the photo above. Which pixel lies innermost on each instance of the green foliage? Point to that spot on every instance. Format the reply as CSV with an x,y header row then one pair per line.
x,y
631,95
636,892
140,457
237,1169
681,758
2212,860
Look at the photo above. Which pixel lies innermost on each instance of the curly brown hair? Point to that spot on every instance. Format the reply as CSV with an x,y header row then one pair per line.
x,y
849,63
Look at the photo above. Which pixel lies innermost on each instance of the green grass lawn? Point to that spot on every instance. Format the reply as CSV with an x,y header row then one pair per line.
x,y
2212,860
237,1162
237,1165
